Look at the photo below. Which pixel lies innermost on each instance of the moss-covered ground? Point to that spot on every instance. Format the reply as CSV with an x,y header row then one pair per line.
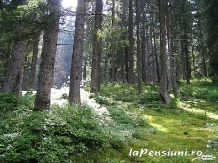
x,y
184,131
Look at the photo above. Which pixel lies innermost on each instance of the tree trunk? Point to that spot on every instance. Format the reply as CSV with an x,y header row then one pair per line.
x,y
46,73
139,58
123,51
171,50
165,97
156,55
96,53
187,62
193,61
143,42
14,74
76,64
112,48
25,72
131,47
147,59
31,84
203,51
85,67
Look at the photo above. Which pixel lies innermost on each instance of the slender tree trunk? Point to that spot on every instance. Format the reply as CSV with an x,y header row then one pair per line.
x,y
106,68
187,67
156,57
46,73
76,64
143,42
147,59
85,68
126,64
169,45
143,54
193,61
131,47
187,62
163,56
25,73
31,83
123,52
203,51
156,60
113,49
139,58
171,50
96,54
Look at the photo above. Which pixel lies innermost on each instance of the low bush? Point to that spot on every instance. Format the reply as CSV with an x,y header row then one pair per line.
x,y
201,89
127,93
8,101
49,136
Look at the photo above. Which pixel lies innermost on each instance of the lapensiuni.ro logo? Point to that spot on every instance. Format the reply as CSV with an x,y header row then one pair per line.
x,y
171,153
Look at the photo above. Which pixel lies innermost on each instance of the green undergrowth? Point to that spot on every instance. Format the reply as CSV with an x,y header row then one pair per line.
x,y
136,129
68,134
167,128
200,93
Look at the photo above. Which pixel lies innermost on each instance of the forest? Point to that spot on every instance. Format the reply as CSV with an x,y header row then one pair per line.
x,y
108,81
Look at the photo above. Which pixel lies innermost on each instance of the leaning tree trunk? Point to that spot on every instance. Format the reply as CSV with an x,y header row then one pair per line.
x,y
76,64
46,73
96,54
165,97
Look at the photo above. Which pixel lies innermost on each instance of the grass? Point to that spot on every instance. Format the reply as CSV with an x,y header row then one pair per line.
x,y
176,127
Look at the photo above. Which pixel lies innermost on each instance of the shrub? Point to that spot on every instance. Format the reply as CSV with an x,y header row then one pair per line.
x,y
49,136
28,100
8,101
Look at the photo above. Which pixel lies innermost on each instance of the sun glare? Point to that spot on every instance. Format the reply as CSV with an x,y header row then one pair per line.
x,y
69,3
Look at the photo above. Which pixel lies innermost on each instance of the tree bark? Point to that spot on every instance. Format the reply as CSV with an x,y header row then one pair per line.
x,y
31,83
76,63
171,50
165,97
113,46
143,42
131,47
46,73
14,74
123,52
139,58
203,51
97,49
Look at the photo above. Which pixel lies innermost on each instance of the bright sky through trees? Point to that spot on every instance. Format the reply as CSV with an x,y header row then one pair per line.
x,y
69,3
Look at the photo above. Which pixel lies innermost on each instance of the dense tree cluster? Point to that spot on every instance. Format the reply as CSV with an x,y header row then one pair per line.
x,y
155,42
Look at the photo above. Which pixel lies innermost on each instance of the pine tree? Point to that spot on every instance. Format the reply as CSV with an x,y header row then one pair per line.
x,y
76,63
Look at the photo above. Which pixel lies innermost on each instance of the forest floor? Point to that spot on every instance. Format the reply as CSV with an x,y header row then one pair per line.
x,y
184,131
